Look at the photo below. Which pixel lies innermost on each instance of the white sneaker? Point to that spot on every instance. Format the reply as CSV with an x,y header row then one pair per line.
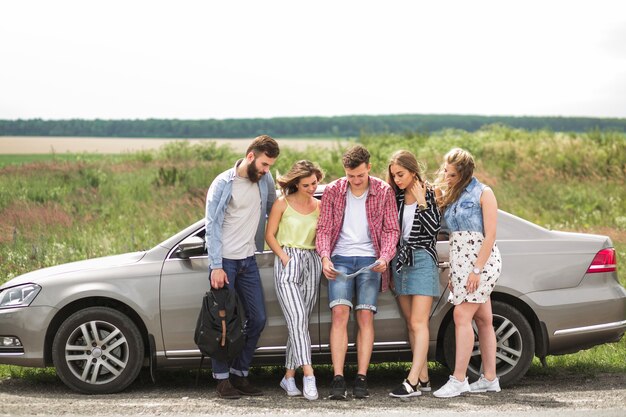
x,y
309,389
484,385
453,388
289,385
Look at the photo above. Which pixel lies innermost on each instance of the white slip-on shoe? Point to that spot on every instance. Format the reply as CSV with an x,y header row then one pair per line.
x,y
484,385
309,389
289,385
452,388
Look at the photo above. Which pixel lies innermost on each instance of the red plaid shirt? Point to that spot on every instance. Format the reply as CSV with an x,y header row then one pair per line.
x,y
382,219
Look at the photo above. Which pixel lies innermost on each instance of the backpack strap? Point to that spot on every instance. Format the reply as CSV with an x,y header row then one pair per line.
x,y
221,296
222,314
199,369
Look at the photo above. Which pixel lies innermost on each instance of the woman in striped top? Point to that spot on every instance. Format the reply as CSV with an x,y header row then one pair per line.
x,y
415,274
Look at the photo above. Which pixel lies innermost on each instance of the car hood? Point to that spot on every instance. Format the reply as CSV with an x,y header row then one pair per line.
x,y
86,265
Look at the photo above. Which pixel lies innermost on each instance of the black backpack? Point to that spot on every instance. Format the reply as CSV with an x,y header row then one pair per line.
x,y
220,329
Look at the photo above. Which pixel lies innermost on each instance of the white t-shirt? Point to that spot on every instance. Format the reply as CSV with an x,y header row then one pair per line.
x,y
407,220
241,219
354,238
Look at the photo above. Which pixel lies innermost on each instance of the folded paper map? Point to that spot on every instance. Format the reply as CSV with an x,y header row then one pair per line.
x,y
343,275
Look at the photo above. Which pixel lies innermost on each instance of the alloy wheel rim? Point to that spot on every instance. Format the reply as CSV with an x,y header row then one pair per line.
x,y
509,347
96,352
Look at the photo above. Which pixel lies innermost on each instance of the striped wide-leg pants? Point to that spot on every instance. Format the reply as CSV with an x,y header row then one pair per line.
x,y
297,286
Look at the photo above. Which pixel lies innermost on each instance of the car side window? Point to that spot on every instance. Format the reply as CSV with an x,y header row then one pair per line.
x,y
443,235
201,234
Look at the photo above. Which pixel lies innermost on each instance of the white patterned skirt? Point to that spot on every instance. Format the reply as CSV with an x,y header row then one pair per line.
x,y
464,248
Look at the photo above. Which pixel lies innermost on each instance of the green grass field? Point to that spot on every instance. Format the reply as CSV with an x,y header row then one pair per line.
x,y
62,208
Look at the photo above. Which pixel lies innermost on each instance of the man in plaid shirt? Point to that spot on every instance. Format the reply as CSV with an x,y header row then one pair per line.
x,y
357,226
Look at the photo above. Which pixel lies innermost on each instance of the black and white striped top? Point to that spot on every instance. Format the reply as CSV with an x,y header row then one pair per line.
x,y
423,234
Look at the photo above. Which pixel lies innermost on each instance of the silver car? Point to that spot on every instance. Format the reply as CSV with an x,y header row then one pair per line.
x,y
99,321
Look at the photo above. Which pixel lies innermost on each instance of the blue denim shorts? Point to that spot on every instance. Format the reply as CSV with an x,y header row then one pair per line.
x,y
367,284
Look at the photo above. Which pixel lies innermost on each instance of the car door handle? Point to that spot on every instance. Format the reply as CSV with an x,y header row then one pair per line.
x,y
443,265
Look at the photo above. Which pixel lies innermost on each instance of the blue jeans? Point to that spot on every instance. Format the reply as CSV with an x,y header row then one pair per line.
x,y
243,275
341,291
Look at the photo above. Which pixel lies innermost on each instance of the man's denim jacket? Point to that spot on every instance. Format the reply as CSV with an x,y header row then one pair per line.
x,y
217,200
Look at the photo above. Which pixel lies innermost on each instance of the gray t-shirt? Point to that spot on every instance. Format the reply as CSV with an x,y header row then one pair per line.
x,y
241,219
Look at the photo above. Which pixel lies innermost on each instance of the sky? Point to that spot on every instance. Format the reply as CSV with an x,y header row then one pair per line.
x,y
136,59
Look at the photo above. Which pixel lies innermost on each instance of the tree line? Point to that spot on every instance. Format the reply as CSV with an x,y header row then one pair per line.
x,y
335,127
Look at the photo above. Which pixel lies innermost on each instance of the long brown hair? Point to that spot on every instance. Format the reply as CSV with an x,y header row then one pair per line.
x,y
463,161
301,169
406,160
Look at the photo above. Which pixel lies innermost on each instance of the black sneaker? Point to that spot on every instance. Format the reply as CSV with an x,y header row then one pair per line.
x,y
423,386
406,390
338,389
360,387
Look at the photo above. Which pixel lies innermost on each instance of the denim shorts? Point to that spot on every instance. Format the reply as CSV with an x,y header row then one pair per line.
x,y
341,291
420,279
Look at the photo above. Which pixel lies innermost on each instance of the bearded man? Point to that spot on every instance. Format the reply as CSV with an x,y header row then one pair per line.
x,y
237,205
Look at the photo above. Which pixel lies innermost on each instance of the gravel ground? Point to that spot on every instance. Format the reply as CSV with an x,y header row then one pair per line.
x,y
603,394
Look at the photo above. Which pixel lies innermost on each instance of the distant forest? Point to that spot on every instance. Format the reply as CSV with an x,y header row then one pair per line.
x,y
335,127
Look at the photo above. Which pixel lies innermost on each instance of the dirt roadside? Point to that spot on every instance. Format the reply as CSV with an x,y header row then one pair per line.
x,y
603,394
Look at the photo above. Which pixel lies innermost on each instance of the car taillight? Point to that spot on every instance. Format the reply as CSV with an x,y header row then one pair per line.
x,y
604,261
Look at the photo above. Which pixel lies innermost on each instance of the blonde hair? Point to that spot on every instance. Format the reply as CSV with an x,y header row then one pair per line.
x,y
301,169
463,161
406,160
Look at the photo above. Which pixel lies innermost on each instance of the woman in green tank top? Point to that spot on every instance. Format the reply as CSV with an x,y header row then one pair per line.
x,y
290,234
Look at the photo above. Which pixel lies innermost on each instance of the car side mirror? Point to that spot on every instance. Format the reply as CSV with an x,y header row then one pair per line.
x,y
191,246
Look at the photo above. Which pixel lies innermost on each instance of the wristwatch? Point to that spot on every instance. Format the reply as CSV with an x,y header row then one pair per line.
x,y
422,207
476,271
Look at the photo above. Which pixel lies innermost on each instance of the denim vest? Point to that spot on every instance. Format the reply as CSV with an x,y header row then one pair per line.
x,y
466,214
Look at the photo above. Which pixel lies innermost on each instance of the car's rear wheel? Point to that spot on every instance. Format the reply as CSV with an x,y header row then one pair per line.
x,y
515,345
98,350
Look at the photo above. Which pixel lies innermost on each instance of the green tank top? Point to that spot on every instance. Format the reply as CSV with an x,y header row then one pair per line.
x,y
297,230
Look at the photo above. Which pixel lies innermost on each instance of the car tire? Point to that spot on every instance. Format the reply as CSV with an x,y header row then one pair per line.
x,y
515,345
98,350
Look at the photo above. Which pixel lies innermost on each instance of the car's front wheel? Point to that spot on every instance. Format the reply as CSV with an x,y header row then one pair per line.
x,y
515,345
98,350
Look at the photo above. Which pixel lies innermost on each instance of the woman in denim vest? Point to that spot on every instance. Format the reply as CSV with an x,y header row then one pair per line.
x,y
470,211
